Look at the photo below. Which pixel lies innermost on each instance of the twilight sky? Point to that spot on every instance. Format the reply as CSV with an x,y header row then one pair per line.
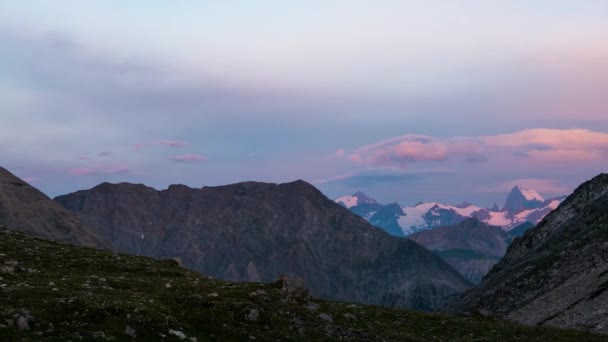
x,y
406,100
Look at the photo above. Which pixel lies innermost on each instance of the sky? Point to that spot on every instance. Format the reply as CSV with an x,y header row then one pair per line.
x,y
407,101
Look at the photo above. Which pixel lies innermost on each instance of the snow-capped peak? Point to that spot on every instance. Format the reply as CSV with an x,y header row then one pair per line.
x,y
356,199
530,195
348,201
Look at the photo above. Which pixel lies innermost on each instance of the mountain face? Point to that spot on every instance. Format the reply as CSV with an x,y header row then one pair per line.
x,y
522,199
556,274
257,232
25,209
520,230
471,247
522,206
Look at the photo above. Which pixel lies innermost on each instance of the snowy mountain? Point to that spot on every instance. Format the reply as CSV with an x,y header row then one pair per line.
x,y
521,199
357,199
522,205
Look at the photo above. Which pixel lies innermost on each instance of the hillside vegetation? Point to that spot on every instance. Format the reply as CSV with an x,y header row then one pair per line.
x,y
56,292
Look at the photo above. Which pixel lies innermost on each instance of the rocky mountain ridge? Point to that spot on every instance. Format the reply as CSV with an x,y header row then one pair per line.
x,y
556,274
28,210
257,231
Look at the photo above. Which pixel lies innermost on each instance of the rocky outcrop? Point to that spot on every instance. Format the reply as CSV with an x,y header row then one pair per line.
x,y
471,247
556,274
258,231
25,209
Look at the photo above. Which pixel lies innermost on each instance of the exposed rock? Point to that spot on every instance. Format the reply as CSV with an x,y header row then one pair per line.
x,y
178,334
177,261
9,266
471,247
25,209
23,323
130,332
556,274
252,315
257,231
326,317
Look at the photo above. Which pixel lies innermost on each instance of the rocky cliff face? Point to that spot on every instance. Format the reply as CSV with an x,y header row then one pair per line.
x,y
257,231
471,247
556,274
25,209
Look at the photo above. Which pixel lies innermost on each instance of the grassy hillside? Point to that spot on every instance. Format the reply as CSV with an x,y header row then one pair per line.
x,y
57,292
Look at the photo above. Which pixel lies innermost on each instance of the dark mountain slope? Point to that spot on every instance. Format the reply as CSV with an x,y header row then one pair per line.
x,y
471,247
28,210
257,231
81,294
556,274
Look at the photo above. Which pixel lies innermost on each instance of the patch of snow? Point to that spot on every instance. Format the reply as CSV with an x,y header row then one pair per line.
x,y
530,194
554,204
498,218
349,201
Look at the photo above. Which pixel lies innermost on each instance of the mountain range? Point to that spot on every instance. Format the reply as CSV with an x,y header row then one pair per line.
x,y
258,231
522,205
554,274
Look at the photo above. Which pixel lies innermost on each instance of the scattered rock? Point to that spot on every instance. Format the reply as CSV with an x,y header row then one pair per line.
x,y
252,315
168,285
9,266
23,323
350,316
178,261
178,334
326,317
293,286
484,312
312,307
130,332
214,294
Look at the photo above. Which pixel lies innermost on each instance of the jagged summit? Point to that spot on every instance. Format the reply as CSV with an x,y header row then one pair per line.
x,y
357,199
522,205
522,199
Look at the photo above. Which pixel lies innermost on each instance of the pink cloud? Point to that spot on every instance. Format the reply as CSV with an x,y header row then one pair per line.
x,y
188,158
31,180
538,145
401,151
